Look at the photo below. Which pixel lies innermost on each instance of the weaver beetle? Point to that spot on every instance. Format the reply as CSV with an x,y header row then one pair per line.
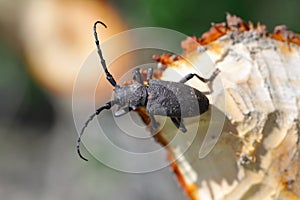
x,y
165,98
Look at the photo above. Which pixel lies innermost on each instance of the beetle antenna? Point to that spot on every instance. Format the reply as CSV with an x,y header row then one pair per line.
x,y
107,106
109,77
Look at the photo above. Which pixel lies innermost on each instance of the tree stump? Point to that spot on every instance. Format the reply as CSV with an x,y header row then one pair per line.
x,y
257,153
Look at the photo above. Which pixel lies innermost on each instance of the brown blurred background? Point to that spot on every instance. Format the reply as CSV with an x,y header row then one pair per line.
x,y
42,46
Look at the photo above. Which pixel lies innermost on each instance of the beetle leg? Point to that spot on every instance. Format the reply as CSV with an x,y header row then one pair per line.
x,y
150,74
137,76
154,124
214,75
210,81
122,111
190,76
205,80
179,123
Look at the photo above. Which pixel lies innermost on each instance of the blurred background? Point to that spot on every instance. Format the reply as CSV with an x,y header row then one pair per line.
x,y
42,46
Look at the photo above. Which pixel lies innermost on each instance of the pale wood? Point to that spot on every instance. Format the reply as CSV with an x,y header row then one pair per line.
x,y
257,155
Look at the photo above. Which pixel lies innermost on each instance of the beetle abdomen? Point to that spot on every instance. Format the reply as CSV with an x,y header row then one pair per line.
x,y
175,99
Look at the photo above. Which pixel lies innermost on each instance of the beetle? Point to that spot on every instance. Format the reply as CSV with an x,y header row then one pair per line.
x,y
172,99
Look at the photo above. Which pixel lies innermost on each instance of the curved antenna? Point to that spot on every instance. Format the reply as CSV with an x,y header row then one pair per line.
x,y
109,77
107,106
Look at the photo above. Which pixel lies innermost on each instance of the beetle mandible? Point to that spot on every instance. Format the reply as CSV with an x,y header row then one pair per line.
x,y
165,98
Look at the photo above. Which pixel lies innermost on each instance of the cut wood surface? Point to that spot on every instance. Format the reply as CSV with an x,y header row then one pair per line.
x,y
257,154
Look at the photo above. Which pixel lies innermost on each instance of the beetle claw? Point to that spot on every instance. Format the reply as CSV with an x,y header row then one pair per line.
x,y
182,129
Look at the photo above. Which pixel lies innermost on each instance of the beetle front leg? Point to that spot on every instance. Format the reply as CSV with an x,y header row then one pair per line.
x,y
150,74
137,75
122,111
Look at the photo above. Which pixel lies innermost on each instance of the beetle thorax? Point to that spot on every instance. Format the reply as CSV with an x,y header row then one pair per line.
x,y
134,95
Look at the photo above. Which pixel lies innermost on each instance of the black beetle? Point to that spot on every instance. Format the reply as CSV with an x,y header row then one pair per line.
x,y
173,99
